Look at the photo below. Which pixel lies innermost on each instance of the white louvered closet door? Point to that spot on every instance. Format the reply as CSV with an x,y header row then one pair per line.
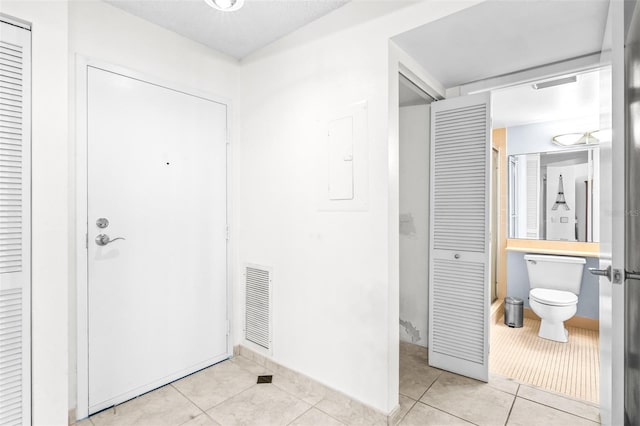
x,y
459,269
15,239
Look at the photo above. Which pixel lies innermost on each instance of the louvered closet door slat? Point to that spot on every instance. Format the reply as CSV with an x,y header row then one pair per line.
x,y
459,247
15,239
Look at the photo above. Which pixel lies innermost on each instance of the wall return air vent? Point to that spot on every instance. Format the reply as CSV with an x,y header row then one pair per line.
x,y
258,302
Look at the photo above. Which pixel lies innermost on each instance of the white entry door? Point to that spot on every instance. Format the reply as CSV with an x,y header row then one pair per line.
x,y
157,291
459,260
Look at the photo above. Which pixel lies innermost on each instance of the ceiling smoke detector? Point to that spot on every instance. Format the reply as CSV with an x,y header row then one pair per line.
x,y
225,5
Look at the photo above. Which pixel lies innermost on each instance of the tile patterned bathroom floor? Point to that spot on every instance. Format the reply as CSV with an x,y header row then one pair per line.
x,y
227,394
572,368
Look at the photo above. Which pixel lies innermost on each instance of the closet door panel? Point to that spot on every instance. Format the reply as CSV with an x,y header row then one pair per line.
x,y
459,251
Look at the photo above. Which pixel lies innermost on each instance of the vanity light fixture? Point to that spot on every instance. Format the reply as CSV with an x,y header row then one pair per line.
x,y
556,82
225,5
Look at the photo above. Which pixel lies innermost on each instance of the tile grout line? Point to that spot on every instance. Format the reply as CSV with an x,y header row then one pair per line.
x,y
446,412
430,386
405,414
294,395
512,404
560,395
202,411
555,408
305,412
555,394
324,412
230,397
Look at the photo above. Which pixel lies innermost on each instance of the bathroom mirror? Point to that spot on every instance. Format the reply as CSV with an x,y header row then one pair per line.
x,y
555,195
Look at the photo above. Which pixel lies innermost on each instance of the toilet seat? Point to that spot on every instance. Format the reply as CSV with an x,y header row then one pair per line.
x,y
551,297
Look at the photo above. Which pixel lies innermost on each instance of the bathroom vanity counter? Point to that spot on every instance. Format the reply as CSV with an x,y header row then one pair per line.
x,y
564,248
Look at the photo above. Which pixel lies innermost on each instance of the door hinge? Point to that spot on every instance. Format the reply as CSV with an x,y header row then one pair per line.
x,y
228,233
228,327
86,240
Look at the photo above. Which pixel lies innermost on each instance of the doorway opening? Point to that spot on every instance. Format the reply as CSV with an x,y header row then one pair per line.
x,y
414,124
551,141
414,233
476,70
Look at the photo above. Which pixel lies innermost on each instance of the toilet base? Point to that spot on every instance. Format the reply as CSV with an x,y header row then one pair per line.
x,y
553,331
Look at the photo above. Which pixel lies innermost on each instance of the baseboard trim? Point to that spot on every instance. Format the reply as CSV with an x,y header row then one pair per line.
x,y
497,311
578,322
394,416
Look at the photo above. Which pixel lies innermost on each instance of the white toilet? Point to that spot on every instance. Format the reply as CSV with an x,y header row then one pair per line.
x,y
555,286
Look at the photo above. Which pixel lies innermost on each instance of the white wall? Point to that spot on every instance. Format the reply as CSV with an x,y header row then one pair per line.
x,y
336,291
336,278
414,224
102,32
50,206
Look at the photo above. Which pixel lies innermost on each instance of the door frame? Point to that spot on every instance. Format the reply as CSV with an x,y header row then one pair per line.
x,y
611,316
80,225
399,63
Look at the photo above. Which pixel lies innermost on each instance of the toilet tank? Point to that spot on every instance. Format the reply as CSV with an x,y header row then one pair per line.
x,y
555,272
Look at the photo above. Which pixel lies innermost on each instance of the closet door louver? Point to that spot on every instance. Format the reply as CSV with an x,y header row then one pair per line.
x,y
459,250
15,277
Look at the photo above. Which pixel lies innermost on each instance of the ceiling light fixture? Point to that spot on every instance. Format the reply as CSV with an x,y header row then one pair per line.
x,y
603,135
556,82
570,139
225,5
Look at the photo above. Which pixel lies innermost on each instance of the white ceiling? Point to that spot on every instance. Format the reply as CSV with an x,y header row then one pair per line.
x,y
500,37
520,105
237,34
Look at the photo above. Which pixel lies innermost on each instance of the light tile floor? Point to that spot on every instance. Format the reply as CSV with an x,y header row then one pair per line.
x,y
227,394
433,397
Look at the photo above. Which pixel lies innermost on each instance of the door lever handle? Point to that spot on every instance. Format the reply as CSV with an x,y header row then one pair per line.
x,y
601,272
103,239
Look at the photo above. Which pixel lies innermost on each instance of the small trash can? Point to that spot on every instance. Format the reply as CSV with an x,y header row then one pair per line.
x,y
513,312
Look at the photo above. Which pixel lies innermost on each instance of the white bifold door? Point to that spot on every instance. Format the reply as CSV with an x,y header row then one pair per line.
x,y
459,265
157,262
15,225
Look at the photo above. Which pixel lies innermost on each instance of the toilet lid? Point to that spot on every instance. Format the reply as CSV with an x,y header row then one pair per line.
x,y
553,297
